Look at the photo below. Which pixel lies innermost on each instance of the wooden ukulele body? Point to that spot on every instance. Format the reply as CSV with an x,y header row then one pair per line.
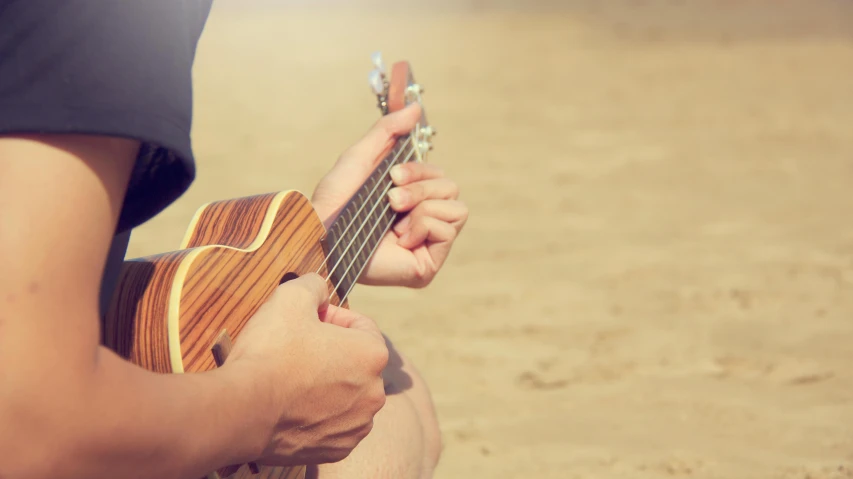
x,y
170,308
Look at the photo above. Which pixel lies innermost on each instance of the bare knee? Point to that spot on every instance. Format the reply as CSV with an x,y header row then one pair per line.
x,y
433,445
403,378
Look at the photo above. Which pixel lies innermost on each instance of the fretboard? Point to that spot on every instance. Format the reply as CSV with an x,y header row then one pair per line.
x,y
354,235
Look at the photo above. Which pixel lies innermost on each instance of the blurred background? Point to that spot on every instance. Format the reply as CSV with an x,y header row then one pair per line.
x,y
656,279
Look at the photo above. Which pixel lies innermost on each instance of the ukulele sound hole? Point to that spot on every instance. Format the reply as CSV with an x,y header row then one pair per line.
x,y
287,277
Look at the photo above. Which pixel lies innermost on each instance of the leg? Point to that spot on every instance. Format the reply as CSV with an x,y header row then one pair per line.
x,y
405,442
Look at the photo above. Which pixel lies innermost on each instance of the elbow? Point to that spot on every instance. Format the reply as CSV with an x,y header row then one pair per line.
x,y
17,460
29,449
46,419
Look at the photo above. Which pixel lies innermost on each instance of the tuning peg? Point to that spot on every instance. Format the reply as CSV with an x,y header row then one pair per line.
x,y
377,83
376,58
415,89
428,132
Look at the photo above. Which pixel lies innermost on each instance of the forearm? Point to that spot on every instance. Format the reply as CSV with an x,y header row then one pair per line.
x,y
68,408
122,421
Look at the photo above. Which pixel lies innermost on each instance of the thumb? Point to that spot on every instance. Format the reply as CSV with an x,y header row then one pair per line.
x,y
308,292
400,121
349,319
383,132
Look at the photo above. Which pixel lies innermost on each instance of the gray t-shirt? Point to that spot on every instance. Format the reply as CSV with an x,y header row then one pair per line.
x,y
118,249
113,68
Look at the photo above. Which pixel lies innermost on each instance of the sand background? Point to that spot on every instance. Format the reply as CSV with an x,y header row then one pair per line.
x,y
656,279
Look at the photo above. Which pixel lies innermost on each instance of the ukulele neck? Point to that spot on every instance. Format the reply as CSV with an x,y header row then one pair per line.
x,y
353,237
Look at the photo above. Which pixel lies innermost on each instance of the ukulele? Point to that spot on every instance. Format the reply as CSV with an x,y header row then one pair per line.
x,y
178,312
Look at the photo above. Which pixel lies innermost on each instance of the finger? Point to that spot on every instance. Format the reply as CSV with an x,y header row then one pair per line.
x,y
309,291
384,131
400,121
404,198
454,212
412,171
426,228
349,319
404,224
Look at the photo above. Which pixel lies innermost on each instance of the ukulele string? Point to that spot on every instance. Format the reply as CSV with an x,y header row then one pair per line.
x,y
352,241
351,286
361,227
355,217
343,233
361,248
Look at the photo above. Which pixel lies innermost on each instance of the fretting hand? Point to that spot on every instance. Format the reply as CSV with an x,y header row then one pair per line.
x,y
413,251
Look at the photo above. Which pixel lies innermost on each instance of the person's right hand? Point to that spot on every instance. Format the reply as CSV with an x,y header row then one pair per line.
x,y
320,365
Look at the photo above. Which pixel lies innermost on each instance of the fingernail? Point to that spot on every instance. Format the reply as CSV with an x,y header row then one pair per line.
x,y
398,174
398,196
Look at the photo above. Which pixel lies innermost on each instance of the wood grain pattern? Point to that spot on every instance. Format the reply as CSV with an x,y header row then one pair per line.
x,y
169,309
234,222
401,78
135,325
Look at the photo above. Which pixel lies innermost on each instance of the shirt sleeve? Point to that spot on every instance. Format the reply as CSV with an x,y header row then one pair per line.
x,y
107,67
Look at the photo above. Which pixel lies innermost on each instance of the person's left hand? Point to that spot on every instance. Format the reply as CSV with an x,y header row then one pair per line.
x,y
413,251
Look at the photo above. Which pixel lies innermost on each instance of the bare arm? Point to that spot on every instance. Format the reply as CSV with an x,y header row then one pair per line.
x,y
69,408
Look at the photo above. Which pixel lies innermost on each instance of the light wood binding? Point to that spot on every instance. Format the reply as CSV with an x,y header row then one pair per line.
x,y
170,311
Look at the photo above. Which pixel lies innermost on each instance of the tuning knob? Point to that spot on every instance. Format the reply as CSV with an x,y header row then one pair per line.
x,y
415,90
376,58
377,83
428,132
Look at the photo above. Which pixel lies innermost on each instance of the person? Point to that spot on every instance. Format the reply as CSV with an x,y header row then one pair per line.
x,y
95,119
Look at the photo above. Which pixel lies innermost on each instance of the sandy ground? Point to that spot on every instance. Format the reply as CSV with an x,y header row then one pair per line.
x,y
657,276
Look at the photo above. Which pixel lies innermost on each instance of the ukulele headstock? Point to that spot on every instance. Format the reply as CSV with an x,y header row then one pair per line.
x,y
397,91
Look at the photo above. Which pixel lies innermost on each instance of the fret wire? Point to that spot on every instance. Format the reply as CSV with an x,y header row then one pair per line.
x,y
338,228
344,237
378,201
349,246
367,219
360,220
348,236
402,147
382,216
362,247
382,233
